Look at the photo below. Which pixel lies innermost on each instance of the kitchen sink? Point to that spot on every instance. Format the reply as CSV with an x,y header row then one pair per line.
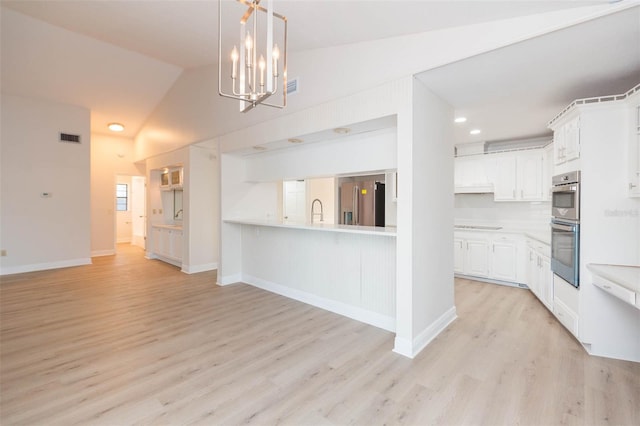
x,y
485,227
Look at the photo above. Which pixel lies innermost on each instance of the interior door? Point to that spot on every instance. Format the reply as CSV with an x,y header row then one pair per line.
x,y
294,201
138,211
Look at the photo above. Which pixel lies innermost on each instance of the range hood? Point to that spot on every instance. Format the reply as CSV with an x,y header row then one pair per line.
x,y
475,189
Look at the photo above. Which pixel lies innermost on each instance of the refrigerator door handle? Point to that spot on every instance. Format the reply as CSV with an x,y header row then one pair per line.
x,y
356,205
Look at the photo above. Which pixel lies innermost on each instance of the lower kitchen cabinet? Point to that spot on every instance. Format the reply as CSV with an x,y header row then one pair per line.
x,y
539,275
167,243
504,259
471,255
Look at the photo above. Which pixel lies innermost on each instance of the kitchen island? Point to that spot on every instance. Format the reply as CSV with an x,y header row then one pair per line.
x,y
350,270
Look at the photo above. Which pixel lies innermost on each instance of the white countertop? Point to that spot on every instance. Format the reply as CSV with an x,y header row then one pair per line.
x,y
176,227
351,229
535,232
625,276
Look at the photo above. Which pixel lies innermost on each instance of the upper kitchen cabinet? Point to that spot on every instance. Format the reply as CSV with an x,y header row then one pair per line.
x,y
566,140
634,145
473,174
519,176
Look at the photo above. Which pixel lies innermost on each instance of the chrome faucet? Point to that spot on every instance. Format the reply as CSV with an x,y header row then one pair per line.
x,y
313,203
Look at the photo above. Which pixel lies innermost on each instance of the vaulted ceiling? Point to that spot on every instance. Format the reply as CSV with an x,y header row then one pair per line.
x,y
119,58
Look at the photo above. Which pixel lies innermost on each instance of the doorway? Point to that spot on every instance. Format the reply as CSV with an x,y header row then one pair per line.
x,y
131,210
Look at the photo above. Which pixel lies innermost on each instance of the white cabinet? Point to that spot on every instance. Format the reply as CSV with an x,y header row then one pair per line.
x,y
519,176
634,150
471,254
539,275
171,179
167,243
504,259
473,173
488,255
566,141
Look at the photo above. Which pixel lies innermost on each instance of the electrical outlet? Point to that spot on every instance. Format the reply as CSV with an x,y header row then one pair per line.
x,y
154,211
3,252
160,211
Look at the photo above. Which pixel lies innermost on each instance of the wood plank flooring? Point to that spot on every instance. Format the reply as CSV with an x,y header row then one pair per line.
x,y
133,341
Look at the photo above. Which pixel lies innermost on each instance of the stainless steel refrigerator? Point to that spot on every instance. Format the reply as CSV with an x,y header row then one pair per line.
x,y
362,203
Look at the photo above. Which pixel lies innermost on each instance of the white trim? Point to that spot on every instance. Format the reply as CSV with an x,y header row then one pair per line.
x,y
98,253
229,279
123,240
189,269
7,270
410,349
359,314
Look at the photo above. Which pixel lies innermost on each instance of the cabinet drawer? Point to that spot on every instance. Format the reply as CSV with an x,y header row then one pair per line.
x,y
615,290
566,316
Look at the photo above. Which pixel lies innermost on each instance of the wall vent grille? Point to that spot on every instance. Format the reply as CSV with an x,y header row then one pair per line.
x,y
69,138
293,86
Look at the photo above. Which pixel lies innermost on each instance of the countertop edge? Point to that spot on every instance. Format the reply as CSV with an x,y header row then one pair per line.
x,y
347,229
612,273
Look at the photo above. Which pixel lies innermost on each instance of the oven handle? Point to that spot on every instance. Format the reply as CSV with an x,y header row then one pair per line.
x,y
570,187
569,228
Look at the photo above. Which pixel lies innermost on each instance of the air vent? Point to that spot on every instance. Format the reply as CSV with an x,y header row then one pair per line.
x,y
67,137
293,86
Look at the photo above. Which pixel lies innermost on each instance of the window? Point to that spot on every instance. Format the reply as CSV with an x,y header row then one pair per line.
x,y
122,197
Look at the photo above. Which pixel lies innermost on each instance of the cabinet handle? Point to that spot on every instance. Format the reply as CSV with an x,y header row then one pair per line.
x,y
530,256
514,193
608,287
559,314
493,248
631,186
522,193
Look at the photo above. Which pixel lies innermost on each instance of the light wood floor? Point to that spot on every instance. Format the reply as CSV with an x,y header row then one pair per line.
x,y
132,341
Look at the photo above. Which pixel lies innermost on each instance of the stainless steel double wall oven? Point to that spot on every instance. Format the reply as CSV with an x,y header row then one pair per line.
x,y
565,227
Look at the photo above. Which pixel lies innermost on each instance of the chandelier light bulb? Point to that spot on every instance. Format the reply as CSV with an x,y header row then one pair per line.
x,y
262,65
234,61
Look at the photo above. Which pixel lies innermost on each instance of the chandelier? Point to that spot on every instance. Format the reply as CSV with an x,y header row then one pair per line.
x,y
257,66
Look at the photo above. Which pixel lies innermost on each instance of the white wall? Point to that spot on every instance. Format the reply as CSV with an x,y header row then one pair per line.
x,y
480,208
201,202
425,304
44,233
110,156
362,153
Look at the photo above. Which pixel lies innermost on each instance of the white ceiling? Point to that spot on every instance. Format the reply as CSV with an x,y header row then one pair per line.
x,y
119,58
512,93
184,32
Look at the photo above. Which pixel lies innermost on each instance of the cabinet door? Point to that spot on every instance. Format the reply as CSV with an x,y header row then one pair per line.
x,y
572,139
156,235
458,255
532,271
504,260
504,183
530,176
546,281
176,244
559,145
477,258
165,242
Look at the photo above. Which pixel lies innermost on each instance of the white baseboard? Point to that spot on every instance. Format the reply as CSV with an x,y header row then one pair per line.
x,y
7,270
491,281
194,269
412,348
353,312
229,279
98,253
123,240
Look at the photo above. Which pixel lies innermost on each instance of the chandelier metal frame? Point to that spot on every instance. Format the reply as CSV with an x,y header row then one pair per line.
x,y
254,79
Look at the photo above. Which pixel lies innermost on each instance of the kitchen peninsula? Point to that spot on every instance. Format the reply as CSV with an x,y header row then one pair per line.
x,y
345,269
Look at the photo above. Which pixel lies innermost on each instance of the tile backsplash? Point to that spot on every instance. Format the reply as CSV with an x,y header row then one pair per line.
x,y
482,208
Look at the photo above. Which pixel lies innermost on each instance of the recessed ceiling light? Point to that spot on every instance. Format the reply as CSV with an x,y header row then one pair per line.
x,y
259,148
460,119
475,132
342,130
116,127
295,140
